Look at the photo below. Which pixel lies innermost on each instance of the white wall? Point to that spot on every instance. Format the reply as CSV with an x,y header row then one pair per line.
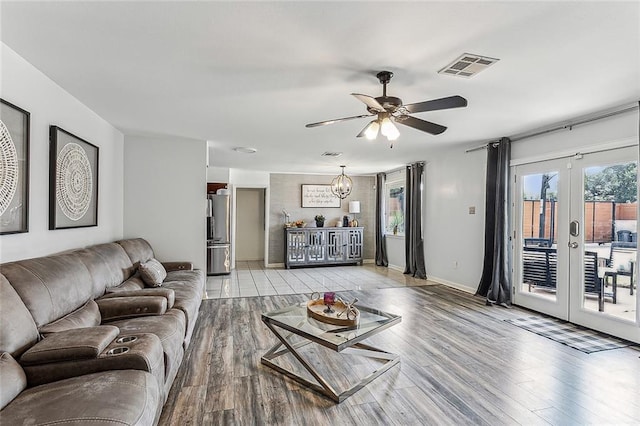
x,y
248,178
621,129
23,85
217,174
454,239
165,196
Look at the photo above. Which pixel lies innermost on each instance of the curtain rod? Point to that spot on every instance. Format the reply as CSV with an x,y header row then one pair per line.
x,y
556,128
402,168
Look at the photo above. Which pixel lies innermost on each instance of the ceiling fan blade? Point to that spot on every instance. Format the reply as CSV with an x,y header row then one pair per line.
x,y
416,123
370,102
436,104
337,120
363,131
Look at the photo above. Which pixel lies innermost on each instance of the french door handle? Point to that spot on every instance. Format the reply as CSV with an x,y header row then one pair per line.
x,y
574,228
573,245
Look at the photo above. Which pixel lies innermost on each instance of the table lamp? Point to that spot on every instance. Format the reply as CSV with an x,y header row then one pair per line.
x,y
354,208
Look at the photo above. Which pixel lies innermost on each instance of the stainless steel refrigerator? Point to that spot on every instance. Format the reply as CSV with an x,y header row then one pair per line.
x,y
218,241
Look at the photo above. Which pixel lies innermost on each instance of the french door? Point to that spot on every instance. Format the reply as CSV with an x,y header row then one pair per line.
x,y
575,239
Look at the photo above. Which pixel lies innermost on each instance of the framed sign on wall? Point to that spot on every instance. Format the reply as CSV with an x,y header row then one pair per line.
x,y
14,169
73,181
319,196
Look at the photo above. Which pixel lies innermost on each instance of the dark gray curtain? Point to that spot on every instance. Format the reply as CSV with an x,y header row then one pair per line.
x,y
413,243
381,250
495,283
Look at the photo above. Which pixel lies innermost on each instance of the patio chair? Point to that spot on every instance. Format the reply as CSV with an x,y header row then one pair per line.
x,y
539,266
595,280
537,242
621,262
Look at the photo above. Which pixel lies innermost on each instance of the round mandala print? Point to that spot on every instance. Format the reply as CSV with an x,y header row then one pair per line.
x,y
74,181
8,168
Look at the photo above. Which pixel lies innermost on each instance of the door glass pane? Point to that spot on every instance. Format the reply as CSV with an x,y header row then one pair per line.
x,y
610,239
539,229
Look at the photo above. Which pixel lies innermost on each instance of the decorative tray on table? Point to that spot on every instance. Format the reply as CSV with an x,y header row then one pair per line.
x,y
341,313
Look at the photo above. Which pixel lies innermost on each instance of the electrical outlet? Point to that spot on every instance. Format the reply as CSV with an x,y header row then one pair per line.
x,y
455,264
472,210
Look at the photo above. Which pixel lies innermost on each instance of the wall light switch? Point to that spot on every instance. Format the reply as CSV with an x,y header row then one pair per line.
x,y
472,210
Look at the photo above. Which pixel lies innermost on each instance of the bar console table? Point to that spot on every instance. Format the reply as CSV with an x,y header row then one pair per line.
x,y
323,246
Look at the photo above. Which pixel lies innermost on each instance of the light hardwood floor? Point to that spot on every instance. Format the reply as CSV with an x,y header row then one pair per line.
x,y
460,364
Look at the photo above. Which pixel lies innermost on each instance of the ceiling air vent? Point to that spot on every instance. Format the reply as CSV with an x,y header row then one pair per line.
x,y
467,65
331,154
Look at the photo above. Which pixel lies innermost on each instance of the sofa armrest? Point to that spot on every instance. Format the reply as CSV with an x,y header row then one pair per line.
x,y
116,308
70,345
167,293
141,351
177,266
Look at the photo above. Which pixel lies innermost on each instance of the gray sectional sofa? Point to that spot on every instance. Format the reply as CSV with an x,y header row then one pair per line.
x,y
88,337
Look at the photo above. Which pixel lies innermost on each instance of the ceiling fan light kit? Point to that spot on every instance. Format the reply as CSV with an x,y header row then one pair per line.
x,y
390,109
372,129
388,129
341,185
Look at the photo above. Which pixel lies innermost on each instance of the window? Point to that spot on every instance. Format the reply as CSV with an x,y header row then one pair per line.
x,y
394,203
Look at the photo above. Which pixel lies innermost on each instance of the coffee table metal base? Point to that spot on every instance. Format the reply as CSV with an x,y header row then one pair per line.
x,y
322,386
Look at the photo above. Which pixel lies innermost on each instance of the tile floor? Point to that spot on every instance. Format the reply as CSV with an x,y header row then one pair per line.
x,y
251,279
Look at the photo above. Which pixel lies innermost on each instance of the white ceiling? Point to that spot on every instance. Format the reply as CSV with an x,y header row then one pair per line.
x,y
253,74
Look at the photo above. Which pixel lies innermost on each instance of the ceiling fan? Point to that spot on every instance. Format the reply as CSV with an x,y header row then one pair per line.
x,y
389,109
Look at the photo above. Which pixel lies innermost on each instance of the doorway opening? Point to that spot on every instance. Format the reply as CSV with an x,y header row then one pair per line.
x,y
250,224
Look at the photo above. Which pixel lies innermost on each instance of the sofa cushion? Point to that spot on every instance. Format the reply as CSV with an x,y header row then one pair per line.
x,y
13,381
18,331
108,264
50,287
138,250
121,397
167,293
152,272
133,283
170,328
189,289
79,343
86,316
188,301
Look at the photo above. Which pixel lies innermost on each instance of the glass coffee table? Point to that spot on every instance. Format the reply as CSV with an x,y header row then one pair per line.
x,y
294,329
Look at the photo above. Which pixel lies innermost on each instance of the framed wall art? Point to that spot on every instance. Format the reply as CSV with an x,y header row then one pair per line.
x,y
73,181
319,196
14,169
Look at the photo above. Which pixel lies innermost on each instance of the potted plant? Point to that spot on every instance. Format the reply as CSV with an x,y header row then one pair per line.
x,y
319,220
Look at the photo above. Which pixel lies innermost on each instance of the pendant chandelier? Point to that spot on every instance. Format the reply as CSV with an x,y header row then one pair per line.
x,y
341,185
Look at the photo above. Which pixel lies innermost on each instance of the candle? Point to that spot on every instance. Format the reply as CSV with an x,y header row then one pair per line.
x,y
329,298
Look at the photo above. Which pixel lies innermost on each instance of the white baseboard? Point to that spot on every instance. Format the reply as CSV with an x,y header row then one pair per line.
x,y
448,283
396,267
